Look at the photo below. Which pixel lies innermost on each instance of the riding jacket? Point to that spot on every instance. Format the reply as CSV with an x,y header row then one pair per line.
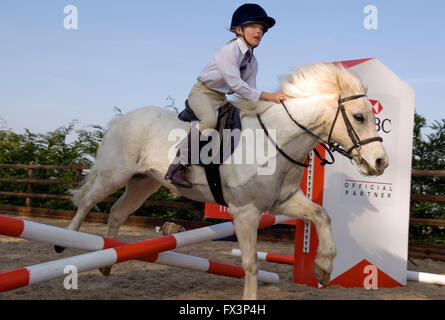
x,y
223,73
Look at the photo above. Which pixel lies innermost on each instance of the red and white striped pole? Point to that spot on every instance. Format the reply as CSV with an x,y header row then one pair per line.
x,y
40,232
148,249
271,257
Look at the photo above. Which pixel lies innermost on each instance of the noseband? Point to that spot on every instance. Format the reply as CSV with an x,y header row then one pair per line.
x,y
329,145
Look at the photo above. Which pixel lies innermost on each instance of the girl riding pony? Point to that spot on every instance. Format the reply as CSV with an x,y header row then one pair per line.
x,y
233,70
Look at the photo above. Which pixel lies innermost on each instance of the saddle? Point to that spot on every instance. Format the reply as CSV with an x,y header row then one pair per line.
x,y
228,120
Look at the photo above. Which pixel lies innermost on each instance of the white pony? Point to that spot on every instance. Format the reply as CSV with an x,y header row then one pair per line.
x,y
134,154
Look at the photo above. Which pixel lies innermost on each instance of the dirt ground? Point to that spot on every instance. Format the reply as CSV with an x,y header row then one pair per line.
x,y
141,280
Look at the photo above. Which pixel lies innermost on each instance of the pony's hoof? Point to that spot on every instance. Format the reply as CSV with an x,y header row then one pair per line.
x,y
322,276
59,249
105,271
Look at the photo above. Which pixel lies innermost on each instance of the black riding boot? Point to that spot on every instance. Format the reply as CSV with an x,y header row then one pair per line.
x,y
177,172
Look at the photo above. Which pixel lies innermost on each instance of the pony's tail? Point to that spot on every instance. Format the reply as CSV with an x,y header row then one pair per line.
x,y
79,193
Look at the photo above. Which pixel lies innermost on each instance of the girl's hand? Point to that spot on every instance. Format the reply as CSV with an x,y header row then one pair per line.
x,y
273,97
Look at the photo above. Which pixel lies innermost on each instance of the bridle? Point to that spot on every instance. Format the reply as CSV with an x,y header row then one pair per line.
x,y
329,145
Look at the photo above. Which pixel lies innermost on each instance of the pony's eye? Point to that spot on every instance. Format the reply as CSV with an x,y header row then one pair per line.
x,y
359,118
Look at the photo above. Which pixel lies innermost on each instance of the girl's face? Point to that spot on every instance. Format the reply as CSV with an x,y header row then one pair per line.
x,y
253,33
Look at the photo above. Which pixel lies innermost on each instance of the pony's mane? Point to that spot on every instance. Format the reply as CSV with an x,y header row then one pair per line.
x,y
320,78
307,81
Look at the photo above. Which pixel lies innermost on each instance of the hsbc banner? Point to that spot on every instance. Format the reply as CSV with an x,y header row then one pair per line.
x,y
369,215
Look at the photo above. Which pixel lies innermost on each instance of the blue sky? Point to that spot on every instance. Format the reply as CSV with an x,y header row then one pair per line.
x,y
137,53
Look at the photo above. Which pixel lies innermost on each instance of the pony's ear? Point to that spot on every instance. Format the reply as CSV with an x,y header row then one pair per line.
x,y
366,89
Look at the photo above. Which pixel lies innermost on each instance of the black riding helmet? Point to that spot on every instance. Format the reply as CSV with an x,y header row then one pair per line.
x,y
251,13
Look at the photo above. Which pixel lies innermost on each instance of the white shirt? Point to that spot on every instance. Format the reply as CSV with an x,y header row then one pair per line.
x,y
223,74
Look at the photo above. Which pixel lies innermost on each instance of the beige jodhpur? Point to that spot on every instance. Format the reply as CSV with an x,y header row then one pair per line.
x,y
205,103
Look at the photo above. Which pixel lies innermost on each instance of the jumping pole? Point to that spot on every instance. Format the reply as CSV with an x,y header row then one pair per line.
x,y
271,257
148,249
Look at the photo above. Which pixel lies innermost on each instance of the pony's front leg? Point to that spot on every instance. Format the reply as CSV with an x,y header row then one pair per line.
x,y
300,207
246,225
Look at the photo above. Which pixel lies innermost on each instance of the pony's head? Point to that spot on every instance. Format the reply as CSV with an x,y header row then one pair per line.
x,y
332,83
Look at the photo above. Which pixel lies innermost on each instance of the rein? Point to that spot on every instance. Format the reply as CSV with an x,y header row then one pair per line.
x,y
329,145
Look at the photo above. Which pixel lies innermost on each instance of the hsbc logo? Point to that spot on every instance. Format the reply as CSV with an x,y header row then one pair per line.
x,y
376,106
380,123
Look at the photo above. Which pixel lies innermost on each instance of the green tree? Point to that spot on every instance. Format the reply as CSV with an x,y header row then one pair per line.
x,y
46,148
428,154
67,145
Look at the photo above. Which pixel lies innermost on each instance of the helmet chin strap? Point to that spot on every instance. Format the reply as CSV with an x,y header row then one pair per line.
x,y
244,37
245,40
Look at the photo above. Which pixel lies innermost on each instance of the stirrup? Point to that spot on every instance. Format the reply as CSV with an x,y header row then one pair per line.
x,y
170,174
179,176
